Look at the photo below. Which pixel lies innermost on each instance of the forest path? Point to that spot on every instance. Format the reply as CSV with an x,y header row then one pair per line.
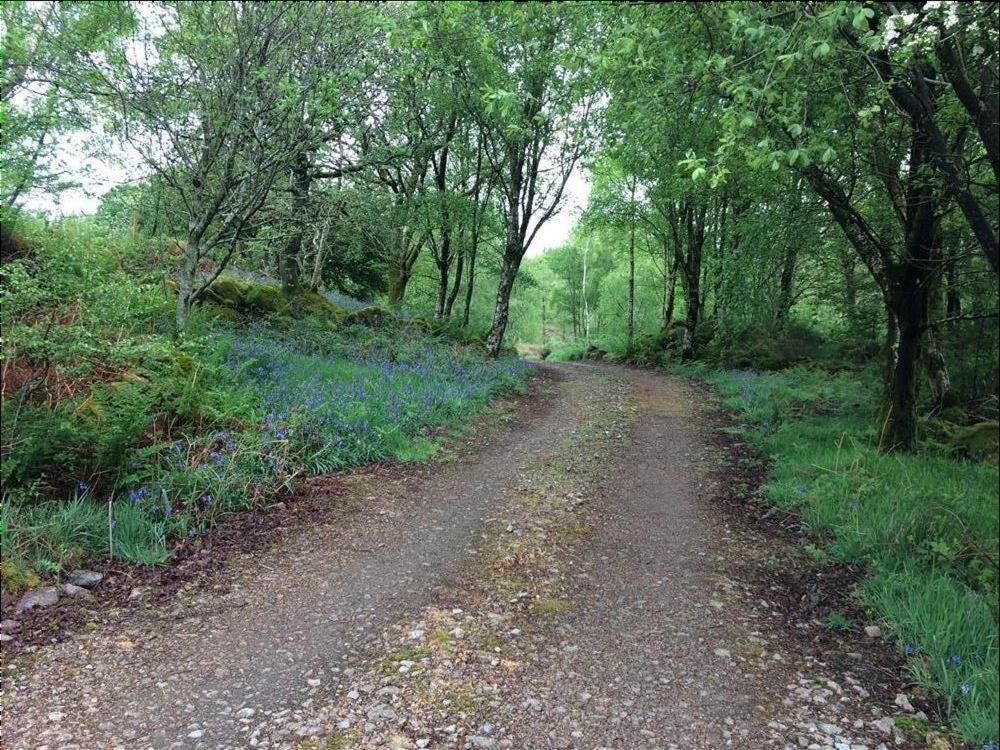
x,y
568,584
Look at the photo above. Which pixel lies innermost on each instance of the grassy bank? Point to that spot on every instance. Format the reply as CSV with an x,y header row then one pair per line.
x,y
925,524
119,437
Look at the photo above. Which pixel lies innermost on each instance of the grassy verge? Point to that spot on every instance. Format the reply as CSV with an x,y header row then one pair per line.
x,y
119,437
925,524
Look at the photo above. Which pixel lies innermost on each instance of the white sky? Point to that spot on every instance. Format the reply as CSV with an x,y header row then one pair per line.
x,y
556,230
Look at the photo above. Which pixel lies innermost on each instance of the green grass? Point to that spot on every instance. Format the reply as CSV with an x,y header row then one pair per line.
x,y
924,524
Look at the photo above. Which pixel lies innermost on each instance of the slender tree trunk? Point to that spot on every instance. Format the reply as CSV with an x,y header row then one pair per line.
x,y
934,361
185,281
508,272
631,268
288,263
456,285
670,289
470,283
785,288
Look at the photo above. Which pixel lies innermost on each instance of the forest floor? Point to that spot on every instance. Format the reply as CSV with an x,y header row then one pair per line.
x,y
590,569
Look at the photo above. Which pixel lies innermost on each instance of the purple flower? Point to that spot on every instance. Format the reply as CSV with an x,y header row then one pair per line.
x,y
230,445
954,659
909,649
113,522
281,433
206,499
966,688
82,487
216,456
137,494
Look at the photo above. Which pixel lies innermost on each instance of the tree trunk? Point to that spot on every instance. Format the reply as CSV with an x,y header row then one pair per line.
x,y
185,282
288,264
692,306
442,290
397,287
630,327
456,285
508,271
670,289
904,345
785,289
469,284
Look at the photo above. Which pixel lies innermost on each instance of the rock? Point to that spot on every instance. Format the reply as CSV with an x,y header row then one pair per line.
x,y
478,740
37,599
873,631
137,594
73,590
722,653
245,713
382,712
885,725
4,638
9,626
56,716
904,703
85,578
197,734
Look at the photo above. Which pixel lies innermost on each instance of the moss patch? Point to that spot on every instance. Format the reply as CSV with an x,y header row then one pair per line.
x,y
247,296
548,605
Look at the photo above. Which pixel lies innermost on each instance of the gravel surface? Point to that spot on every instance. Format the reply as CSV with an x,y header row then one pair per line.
x,y
569,584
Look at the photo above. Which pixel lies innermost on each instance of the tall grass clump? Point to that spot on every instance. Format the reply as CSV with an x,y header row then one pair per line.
x,y
924,524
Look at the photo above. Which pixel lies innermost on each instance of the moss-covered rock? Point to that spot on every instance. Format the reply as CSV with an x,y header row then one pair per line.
x,y
243,295
977,441
372,316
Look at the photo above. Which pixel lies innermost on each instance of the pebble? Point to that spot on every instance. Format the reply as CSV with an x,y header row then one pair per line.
x,y
904,703
873,631
478,740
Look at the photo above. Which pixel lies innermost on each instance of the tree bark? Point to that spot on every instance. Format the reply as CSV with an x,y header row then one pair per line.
x,y
469,284
288,264
508,272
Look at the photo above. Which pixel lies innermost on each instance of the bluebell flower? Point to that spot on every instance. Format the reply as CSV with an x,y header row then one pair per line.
x,y
206,499
82,487
216,456
230,445
954,659
966,688
137,494
909,649
113,522
281,433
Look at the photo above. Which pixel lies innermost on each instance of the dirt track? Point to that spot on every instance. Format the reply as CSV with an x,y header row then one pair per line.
x,y
570,583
